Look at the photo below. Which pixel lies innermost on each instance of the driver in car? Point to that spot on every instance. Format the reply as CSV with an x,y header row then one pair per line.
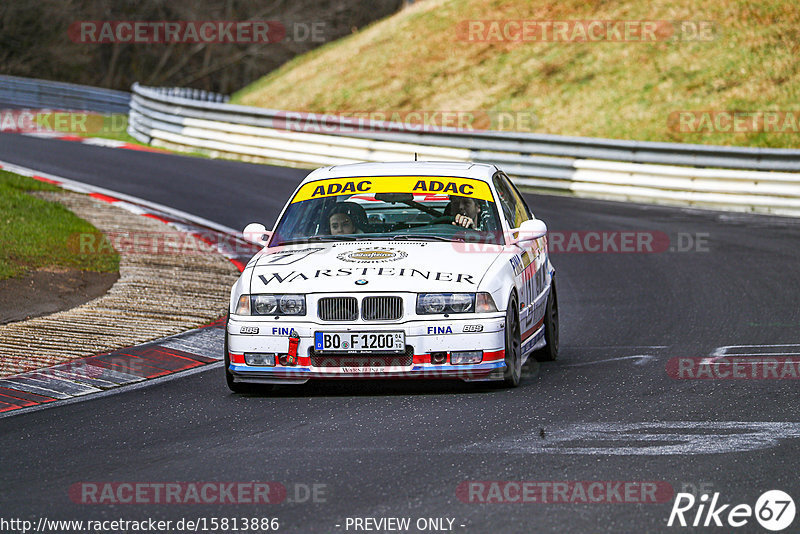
x,y
467,212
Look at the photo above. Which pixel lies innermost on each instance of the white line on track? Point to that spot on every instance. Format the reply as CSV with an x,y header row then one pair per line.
x,y
657,438
615,346
641,359
728,351
784,350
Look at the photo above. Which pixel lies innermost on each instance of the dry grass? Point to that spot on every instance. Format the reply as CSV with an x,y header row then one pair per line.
x,y
415,61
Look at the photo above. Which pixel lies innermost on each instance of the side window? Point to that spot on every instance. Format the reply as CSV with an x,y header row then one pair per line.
x,y
523,206
514,208
506,199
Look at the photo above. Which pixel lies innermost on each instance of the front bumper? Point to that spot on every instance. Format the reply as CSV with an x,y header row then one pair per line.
x,y
422,338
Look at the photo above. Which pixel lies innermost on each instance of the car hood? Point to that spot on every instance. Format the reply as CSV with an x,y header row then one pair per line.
x,y
372,266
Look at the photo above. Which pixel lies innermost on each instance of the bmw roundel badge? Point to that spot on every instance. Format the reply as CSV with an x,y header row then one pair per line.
x,y
361,282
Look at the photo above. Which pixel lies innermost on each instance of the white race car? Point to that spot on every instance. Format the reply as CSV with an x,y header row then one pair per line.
x,y
395,270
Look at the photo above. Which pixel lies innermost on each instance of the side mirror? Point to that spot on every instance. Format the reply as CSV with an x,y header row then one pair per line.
x,y
529,231
256,233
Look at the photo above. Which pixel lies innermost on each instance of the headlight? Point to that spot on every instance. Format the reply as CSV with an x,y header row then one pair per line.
x,y
461,302
292,305
264,304
431,303
271,305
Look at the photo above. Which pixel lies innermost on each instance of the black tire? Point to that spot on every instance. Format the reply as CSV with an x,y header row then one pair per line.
x,y
513,348
549,353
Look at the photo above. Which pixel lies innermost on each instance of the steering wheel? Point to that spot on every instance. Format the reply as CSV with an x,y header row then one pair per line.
x,y
444,219
449,219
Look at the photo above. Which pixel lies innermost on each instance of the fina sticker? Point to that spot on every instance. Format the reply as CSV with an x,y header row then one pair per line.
x,y
465,187
372,255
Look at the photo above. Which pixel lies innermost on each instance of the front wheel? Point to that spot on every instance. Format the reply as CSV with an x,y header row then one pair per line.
x,y
513,350
549,353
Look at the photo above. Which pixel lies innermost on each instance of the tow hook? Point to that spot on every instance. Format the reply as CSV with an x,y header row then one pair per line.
x,y
294,340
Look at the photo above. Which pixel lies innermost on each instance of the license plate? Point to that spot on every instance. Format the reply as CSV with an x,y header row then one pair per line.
x,y
360,342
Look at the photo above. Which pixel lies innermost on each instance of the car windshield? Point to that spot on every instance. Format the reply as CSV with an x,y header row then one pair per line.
x,y
391,208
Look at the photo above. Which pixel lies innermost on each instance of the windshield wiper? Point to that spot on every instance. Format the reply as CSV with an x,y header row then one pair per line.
x,y
318,239
424,236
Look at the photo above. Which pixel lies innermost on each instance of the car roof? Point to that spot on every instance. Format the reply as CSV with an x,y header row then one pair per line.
x,y
481,171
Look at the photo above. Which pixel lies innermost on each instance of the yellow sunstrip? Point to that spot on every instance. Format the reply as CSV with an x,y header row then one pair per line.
x,y
465,187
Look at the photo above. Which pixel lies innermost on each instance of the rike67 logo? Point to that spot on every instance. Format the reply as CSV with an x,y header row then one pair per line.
x,y
774,510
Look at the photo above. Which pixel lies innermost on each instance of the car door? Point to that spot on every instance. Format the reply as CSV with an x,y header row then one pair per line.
x,y
530,263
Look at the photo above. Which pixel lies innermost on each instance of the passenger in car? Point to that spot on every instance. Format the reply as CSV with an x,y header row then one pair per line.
x,y
346,218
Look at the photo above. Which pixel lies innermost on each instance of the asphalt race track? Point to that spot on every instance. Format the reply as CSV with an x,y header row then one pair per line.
x,y
606,411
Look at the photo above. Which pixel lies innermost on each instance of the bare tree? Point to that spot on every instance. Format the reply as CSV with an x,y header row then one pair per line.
x,y
34,40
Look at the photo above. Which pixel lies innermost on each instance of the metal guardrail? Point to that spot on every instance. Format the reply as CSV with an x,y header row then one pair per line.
x,y
735,178
192,94
21,93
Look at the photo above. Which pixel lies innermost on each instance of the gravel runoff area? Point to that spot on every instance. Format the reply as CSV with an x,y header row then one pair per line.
x,y
157,294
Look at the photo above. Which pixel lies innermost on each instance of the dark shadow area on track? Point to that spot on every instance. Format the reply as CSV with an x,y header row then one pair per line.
x,y
387,388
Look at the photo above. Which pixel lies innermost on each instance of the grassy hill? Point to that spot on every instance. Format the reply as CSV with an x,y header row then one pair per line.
x,y
419,59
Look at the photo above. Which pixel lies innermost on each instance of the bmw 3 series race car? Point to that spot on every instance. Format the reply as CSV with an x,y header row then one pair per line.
x,y
395,270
